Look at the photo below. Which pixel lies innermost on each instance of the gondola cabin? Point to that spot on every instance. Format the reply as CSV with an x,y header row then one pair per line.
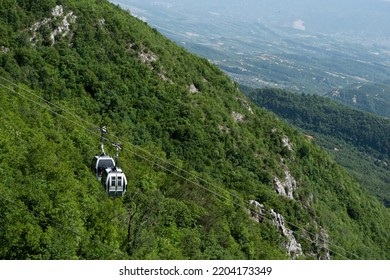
x,y
114,181
101,163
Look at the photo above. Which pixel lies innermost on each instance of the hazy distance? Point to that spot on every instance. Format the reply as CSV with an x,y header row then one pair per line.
x,y
364,21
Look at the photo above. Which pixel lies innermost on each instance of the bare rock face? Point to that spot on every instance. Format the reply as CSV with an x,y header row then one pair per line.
x,y
223,128
62,29
193,89
147,56
245,104
238,117
258,215
322,239
4,49
294,248
57,11
286,186
287,143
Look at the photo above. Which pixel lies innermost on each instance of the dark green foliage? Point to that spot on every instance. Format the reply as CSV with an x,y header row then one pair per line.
x,y
359,141
315,113
370,97
120,73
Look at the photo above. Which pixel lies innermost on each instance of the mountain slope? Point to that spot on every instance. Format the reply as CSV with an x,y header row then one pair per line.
x,y
359,141
195,152
373,98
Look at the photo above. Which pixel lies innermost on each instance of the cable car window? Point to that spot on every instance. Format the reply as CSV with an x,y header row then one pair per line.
x,y
113,181
119,181
103,164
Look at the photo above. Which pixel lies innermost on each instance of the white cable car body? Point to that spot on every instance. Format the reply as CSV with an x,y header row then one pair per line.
x,y
115,181
107,170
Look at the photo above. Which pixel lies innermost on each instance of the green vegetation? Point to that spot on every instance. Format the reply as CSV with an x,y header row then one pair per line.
x,y
110,68
359,141
371,97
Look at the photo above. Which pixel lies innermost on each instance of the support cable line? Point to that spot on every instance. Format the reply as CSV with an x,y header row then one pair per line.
x,y
229,197
50,110
115,137
47,101
191,181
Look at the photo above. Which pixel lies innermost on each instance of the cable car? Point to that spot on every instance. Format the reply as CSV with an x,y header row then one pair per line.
x,y
107,170
102,162
113,179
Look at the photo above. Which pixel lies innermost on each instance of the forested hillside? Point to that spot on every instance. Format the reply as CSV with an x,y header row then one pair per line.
x,y
210,175
372,97
358,140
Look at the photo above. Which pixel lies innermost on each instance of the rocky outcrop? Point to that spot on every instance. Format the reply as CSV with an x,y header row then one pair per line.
x,y
4,49
260,212
63,27
35,27
287,143
147,56
223,128
238,117
163,76
193,89
286,186
245,104
57,11
294,248
102,22
322,240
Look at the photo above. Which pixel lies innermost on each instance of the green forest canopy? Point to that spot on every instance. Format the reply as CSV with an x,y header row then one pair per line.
x,y
112,69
